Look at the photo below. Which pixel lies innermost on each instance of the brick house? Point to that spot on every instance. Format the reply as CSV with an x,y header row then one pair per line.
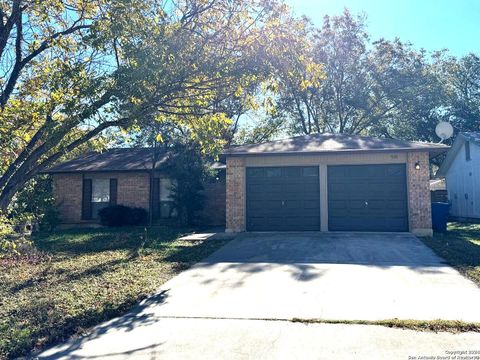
x,y
330,182
325,182
84,185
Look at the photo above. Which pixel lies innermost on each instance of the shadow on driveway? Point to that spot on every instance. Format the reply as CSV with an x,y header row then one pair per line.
x,y
131,321
380,249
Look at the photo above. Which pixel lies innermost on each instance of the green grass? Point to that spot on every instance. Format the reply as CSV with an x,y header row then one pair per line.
x,y
460,247
84,277
452,326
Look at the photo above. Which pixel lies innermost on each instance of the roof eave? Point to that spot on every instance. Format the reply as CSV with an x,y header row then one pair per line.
x,y
433,151
51,172
452,153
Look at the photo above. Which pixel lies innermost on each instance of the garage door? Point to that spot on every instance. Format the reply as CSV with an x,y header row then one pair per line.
x,y
283,199
367,198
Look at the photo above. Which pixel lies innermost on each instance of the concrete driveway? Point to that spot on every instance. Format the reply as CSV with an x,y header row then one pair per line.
x,y
242,296
330,276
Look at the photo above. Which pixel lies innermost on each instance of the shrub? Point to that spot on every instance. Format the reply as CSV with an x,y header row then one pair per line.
x,y
37,201
121,215
138,216
10,242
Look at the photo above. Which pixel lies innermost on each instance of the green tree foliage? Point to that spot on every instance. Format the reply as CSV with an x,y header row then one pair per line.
x,y
37,199
72,69
336,79
189,171
461,79
367,86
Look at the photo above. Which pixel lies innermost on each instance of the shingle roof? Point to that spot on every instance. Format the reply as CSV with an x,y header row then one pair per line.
x,y
334,143
121,159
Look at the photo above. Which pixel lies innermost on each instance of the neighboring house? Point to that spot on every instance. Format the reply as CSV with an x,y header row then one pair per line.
x,y
461,170
85,185
321,182
330,182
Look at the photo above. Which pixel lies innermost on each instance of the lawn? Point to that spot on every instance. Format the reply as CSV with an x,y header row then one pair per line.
x,y
460,246
84,277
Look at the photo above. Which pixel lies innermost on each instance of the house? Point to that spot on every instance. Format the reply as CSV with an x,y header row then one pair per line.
x,y
461,170
326,182
85,185
330,182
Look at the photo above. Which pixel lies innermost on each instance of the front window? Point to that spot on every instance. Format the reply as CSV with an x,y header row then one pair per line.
x,y
100,195
166,201
100,190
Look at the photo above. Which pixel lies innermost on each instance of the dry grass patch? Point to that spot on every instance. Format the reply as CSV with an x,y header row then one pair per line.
x,y
83,277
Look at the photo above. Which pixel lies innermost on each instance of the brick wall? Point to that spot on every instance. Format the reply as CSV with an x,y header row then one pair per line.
x,y
132,190
420,220
214,211
235,202
67,189
420,212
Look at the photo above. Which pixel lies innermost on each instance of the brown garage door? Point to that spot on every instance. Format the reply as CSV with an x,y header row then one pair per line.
x,y
367,198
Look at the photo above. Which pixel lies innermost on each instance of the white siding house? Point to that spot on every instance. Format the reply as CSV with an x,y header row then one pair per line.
x,y
461,170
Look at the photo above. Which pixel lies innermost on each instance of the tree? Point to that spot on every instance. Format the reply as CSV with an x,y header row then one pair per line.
x,y
73,69
189,171
461,79
368,88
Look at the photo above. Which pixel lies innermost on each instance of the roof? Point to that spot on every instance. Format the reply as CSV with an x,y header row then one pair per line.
x,y
334,143
473,137
120,159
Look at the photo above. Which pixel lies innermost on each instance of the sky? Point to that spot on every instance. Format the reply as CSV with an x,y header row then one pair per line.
x,y
429,24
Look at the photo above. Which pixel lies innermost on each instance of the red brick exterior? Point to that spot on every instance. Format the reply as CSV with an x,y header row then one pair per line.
x,y
235,195
226,199
419,208
213,214
67,189
419,202
133,189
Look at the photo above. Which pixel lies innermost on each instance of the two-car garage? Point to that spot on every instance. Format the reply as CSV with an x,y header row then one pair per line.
x,y
359,198
330,182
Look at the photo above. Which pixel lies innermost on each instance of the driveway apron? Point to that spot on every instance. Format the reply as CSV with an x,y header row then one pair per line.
x,y
238,303
340,276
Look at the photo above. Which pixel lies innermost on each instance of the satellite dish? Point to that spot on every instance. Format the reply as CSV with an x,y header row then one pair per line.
x,y
444,130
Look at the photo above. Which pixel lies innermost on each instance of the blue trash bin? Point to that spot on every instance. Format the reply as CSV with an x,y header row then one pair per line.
x,y
440,212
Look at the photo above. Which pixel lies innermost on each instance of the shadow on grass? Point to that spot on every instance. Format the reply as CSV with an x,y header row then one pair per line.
x,y
460,247
84,241
114,258
457,246
133,319
67,276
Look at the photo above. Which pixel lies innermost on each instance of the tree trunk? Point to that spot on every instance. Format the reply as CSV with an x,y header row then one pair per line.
x,y
8,193
31,166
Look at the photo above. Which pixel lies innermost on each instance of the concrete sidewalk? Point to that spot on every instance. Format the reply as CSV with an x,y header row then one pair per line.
x,y
161,338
